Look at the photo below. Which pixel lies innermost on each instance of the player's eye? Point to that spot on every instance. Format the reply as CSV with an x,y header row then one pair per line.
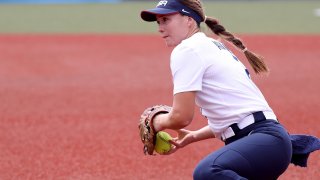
x,y
162,20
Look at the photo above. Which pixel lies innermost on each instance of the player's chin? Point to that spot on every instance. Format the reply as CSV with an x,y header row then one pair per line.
x,y
170,43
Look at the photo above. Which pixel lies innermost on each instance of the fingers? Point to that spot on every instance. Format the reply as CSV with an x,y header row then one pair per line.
x,y
172,150
174,147
178,142
173,142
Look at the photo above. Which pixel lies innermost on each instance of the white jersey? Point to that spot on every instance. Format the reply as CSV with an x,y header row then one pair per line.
x,y
224,91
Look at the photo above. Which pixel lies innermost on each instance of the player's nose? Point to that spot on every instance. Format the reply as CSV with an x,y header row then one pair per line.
x,y
160,28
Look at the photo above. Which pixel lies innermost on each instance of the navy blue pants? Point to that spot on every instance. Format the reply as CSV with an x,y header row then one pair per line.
x,y
260,151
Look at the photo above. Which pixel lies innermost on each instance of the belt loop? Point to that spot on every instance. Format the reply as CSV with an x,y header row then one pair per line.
x,y
258,116
235,128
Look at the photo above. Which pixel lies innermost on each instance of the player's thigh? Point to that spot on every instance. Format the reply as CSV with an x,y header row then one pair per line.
x,y
256,156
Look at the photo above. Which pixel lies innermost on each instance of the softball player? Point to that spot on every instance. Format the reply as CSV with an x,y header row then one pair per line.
x,y
205,73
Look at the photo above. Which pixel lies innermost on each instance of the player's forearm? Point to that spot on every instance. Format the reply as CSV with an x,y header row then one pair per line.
x,y
172,120
202,134
181,114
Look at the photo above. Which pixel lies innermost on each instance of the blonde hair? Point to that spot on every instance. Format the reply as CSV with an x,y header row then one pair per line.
x,y
256,61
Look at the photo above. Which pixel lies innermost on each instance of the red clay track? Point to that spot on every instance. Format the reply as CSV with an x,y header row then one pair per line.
x,y
70,104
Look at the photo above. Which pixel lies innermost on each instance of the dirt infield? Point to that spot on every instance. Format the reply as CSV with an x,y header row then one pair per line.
x,y
70,104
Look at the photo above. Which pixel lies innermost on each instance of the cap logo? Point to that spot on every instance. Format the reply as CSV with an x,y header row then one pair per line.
x,y
185,11
162,3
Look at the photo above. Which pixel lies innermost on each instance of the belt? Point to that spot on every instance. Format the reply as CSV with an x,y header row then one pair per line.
x,y
245,122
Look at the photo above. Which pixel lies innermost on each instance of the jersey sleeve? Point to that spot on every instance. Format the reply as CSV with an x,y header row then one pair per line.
x,y
187,70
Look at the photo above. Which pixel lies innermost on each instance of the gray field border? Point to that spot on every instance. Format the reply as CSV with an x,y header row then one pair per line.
x,y
259,17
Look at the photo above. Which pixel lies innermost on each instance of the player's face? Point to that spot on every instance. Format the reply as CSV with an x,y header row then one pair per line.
x,y
173,28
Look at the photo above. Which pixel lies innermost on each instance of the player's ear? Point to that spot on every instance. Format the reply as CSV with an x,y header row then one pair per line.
x,y
190,21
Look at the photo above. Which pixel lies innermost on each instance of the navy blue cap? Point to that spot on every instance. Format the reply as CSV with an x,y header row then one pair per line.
x,y
166,7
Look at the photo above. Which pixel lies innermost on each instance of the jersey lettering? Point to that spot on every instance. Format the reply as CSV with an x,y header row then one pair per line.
x,y
222,47
219,45
248,73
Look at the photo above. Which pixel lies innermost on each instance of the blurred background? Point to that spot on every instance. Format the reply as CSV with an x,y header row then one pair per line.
x,y
122,16
75,75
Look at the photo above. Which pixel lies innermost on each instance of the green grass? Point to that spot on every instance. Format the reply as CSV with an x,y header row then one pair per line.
x,y
239,17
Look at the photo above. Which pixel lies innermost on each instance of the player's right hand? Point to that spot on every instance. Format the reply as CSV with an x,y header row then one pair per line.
x,y
184,138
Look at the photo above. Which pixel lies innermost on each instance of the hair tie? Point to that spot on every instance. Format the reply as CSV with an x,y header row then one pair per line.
x,y
205,18
244,50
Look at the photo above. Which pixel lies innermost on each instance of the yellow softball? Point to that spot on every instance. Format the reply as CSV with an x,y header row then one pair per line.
x,y
162,142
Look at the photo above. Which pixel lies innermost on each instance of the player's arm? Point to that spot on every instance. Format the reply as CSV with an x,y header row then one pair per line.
x,y
203,133
186,137
181,114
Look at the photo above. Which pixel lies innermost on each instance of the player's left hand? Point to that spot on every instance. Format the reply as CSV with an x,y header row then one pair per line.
x,y
147,131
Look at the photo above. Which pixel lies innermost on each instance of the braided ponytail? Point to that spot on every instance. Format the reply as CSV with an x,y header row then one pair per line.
x,y
256,61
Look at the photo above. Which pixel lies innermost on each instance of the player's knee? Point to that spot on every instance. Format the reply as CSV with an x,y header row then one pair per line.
x,y
203,172
199,173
